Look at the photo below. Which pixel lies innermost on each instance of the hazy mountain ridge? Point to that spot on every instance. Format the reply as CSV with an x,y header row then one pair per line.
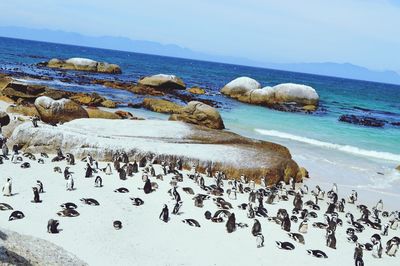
x,y
344,70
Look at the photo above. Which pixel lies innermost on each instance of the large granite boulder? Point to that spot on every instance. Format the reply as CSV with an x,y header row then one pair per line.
x,y
161,106
4,119
163,82
163,141
16,90
58,111
82,64
200,114
285,97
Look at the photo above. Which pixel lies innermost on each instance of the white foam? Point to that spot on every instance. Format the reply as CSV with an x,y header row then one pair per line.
x,y
334,146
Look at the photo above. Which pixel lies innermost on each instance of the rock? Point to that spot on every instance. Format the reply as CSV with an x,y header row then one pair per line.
x,y
97,113
143,90
161,106
26,110
284,97
4,119
82,64
197,90
163,82
108,104
15,90
200,114
163,140
398,167
92,99
362,120
58,111
124,114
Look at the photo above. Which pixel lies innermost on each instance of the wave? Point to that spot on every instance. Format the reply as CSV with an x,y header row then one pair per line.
x,y
344,148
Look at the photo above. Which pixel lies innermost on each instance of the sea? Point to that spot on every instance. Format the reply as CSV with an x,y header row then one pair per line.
x,y
353,156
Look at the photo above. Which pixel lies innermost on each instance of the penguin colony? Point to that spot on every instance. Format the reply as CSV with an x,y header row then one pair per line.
x,y
316,210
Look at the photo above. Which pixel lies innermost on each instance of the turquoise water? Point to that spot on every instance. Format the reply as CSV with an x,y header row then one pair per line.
x,y
338,96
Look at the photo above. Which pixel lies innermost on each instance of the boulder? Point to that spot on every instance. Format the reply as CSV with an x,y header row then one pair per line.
x,y
197,90
58,111
97,113
163,82
4,119
285,97
82,64
161,106
16,90
200,114
108,104
26,110
362,120
124,114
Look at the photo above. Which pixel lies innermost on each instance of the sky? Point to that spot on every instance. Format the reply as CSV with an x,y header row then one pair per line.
x,y
361,32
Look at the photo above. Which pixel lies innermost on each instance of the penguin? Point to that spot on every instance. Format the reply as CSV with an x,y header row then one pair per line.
x,y
317,253
16,215
39,186
303,227
90,201
284,245
358,255
377,246
250,212
385,229
5,207
164,215
260,240
122,174
231,223
52,226
330,239
25,165
7,188
36,198
70,183
176,195
121,190
117,225
98,182
135,168
392,246
379,206
297,237
335,188
188,190
57,169
177,207
68,213
147,187
70,159
286,224
67,173
44,155
108,170
191,222
137,201
69,205
256,229
89,171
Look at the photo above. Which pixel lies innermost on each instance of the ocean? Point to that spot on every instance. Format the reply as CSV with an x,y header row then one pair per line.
x,y
356,156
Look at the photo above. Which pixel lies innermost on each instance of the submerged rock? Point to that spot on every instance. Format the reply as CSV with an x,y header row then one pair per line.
x,y
162,81
82,64
362,120
284,97
161,106
200,114
197,90
58,111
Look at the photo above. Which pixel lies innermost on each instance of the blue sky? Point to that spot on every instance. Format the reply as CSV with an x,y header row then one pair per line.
x,y
362,32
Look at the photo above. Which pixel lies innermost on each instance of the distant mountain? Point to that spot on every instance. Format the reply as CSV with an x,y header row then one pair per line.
x,y
345,70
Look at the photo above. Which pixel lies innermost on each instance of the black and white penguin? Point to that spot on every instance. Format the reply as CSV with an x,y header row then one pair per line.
x,y
36,198
68,213
137,201
70,159
16,215
231,223
330,239
284,245
117,225
147,187
98,182
90,201
303,227
377,246
25,165
52,226
256,229
67,172
69,205
260,240
122,174
191,222
121,190
70,183
39,186
164,215
5,207
297,237
317,253
392,246
358,255
176,195
286,224
89,171
177,207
